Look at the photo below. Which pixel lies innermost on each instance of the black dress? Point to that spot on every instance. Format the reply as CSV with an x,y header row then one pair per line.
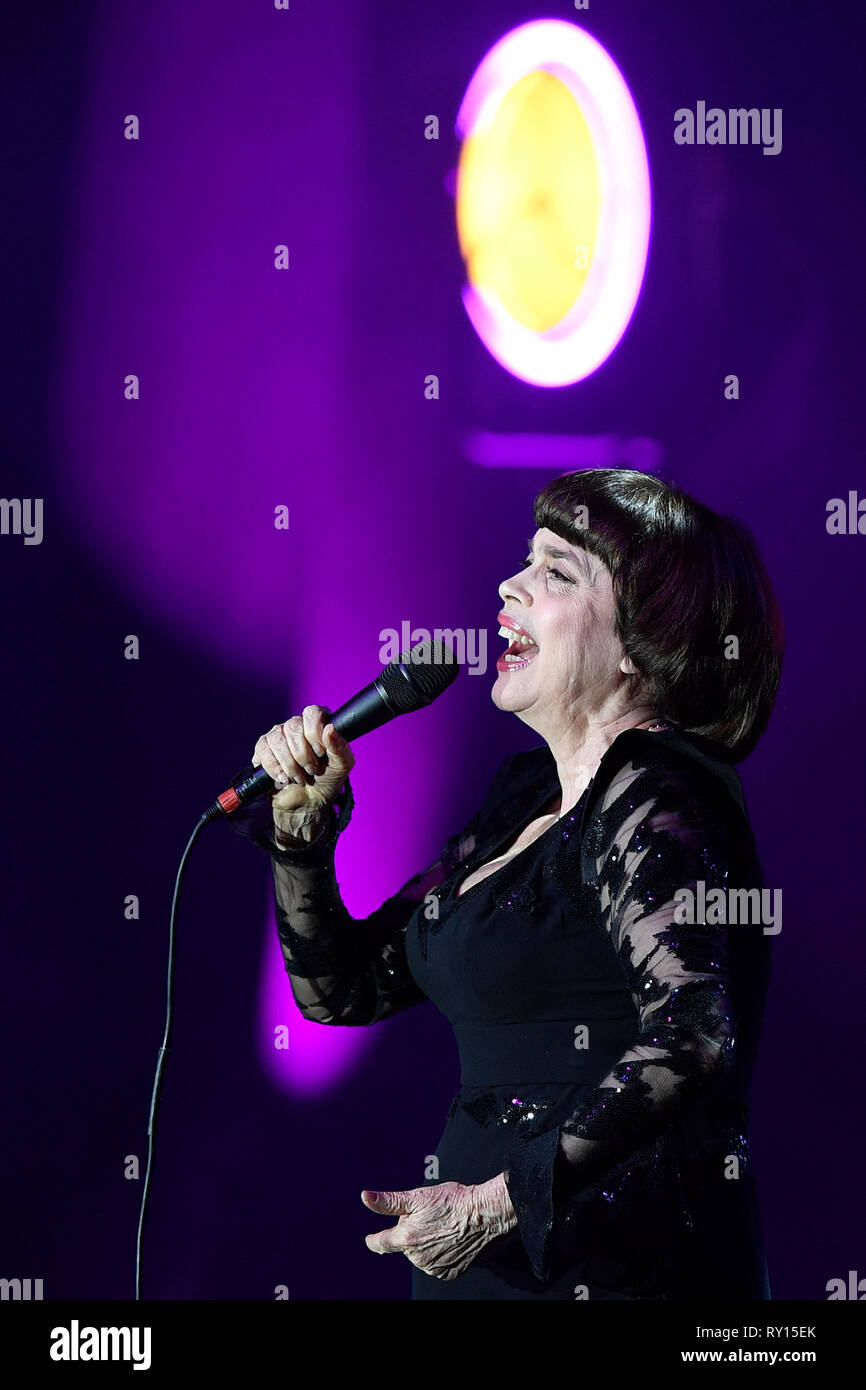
x,y
607,1042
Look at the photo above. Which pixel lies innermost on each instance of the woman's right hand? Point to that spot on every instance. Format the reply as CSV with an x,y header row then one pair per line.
x,y
309,762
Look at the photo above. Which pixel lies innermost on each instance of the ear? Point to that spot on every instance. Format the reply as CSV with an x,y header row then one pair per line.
x,y
628,667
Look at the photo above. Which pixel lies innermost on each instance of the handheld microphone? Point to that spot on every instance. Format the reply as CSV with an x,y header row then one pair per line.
x,y
408,683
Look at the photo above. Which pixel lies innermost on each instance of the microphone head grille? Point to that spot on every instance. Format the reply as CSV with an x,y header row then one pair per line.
x,y
419,675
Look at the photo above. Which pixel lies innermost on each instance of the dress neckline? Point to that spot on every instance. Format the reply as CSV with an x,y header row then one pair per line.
x,y
454,895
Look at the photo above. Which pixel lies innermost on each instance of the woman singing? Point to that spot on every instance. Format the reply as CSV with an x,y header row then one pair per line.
x,y
589,933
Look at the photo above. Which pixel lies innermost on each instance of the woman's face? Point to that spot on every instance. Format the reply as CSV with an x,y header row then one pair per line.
x,y
563,599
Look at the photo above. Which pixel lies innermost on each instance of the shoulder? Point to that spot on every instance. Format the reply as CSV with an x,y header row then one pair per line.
x,y
674,784
675,760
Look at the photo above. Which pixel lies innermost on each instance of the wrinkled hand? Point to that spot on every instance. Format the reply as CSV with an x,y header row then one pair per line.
x,y
442,1229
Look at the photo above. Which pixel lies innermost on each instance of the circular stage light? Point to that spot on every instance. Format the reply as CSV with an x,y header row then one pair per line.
x,y
553,202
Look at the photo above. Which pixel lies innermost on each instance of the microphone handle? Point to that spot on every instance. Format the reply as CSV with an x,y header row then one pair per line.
x,y
360,715
364,712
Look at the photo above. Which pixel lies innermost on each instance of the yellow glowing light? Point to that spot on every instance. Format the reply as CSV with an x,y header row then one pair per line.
x,y
528,200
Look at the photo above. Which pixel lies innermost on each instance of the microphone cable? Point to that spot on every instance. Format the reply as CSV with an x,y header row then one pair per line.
x,y
160,1062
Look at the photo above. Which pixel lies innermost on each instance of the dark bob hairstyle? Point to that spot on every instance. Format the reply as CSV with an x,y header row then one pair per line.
x,y
686,581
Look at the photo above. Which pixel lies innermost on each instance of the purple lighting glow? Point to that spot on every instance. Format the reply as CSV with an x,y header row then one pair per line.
x,y
212,388
562,451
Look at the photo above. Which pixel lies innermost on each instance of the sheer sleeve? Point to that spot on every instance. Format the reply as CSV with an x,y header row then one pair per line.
x,y
657,831
342,969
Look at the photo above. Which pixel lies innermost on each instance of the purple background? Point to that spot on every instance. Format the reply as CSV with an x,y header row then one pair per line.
x,y
305,388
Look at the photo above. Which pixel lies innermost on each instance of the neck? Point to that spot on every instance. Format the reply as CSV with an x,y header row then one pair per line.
x,y
578,753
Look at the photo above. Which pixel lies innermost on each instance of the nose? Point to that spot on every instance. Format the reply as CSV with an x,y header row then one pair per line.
x,y
516,587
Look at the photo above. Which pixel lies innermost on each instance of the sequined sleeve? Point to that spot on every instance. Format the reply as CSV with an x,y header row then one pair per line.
x,y
656,831
342,969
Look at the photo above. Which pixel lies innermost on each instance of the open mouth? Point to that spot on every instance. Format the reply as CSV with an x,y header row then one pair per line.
x,y
521,650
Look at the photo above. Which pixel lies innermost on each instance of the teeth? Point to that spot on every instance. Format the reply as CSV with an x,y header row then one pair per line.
x,y
513,636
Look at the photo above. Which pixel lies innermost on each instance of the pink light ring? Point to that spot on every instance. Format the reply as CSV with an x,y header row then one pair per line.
x,y
523,352
519,351
616,274
517,53
576,346
502,66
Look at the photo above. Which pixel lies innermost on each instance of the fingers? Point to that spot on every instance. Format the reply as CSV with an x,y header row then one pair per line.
x,y
272,753
393,1203
437,1230
391,1241
341,759
314,718
286,753
302,748
301,756
382,1244
395,1239
314,742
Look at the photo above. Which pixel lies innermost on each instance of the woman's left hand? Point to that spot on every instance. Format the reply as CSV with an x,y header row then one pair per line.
x,y
442,1229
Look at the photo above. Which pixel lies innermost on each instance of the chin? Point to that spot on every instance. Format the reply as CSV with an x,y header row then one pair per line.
x,y
504,696
497,690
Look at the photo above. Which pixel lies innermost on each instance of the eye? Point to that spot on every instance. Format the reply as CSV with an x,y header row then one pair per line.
x,y
557,574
